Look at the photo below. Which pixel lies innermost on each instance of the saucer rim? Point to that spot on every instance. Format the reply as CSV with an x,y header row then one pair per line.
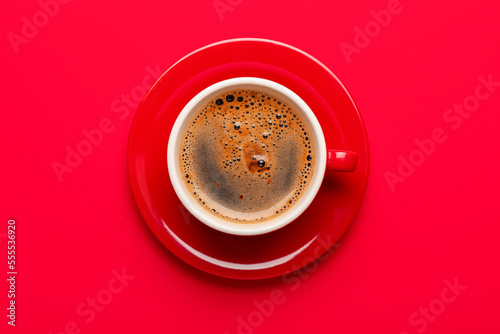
x,y
209,267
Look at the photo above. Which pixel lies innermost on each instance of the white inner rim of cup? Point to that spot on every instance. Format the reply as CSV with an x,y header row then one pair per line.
x,y
195,105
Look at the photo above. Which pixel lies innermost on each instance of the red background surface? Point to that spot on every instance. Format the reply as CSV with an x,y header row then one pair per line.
x,y
392,268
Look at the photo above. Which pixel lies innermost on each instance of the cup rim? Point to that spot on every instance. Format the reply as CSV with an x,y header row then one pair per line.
x,y
201,213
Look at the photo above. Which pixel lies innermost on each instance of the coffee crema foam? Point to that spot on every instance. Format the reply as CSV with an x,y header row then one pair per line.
x,y
246,156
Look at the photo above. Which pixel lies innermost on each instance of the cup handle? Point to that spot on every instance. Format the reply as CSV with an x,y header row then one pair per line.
x,y
341,161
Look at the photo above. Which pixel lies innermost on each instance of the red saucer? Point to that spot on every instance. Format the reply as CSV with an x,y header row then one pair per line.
x,y
246,257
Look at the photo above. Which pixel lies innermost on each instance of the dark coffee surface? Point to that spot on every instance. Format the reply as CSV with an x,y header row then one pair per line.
x,y
247,156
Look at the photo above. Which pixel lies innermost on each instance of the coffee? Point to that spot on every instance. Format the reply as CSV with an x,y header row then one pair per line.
x,y
247,156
